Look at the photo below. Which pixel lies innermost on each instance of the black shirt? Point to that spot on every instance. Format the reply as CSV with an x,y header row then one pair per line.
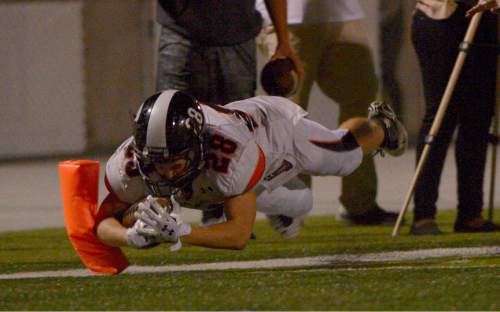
x,y
211,22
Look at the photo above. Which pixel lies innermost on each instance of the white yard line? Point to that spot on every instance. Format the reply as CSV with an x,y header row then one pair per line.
x,y
388,268
279,263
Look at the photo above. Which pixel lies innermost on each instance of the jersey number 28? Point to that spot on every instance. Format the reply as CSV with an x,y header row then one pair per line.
x,y
221,150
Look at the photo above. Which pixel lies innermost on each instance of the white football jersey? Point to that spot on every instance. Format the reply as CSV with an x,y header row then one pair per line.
x,y
254,144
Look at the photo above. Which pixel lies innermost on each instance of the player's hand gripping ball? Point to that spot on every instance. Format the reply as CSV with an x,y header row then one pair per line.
x,y
279,78
140,234
128,217
160,223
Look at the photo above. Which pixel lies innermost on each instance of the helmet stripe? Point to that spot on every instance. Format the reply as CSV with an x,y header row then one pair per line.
x,y
157,120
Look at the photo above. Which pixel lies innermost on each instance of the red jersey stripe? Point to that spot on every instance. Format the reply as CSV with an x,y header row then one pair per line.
x,y
258,172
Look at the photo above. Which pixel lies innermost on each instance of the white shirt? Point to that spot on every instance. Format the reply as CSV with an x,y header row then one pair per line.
x,y
317,11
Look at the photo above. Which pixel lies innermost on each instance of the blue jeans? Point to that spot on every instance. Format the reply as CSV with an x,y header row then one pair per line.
x,y
211,74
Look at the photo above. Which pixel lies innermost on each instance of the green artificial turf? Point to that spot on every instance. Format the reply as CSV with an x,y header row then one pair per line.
x,y
449,283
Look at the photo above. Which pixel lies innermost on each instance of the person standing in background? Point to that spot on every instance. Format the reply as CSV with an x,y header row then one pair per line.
x,y
391,29
438,28
207,48
330,38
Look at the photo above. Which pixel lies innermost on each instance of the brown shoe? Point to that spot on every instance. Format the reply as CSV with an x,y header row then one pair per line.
x,y
476,225
425,227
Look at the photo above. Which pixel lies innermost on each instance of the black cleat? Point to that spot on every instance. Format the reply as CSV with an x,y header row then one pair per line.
x,y
396,136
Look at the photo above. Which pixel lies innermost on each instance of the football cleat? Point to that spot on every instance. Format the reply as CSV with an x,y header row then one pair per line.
x,y
396,138
287,227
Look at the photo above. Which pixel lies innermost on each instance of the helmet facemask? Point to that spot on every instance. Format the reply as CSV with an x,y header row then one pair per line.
x,y
161,185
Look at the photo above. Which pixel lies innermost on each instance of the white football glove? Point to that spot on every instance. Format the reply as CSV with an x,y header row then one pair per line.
x,y
137,239
161,225
184,229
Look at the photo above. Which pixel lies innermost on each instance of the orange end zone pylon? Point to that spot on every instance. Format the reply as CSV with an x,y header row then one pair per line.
x,y
79,188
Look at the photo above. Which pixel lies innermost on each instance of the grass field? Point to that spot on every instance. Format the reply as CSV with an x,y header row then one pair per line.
x,y
451,283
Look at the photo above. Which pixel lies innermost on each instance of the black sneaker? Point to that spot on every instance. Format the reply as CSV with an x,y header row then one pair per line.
x,y
375,216
396,137
487,226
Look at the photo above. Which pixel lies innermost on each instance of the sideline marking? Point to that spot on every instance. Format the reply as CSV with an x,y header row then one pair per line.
x,y
275,263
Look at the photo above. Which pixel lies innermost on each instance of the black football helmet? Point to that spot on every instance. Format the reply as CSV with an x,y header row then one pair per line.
x,y
169,125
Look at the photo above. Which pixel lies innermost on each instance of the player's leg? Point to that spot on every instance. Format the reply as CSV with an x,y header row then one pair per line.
x,y
307,40
321,151
369,134
380,131
286,207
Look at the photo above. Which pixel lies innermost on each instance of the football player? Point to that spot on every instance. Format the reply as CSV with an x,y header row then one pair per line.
x,y
244,156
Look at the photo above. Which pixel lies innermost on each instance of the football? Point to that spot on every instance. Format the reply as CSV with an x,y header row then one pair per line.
x,y
279,78
128,218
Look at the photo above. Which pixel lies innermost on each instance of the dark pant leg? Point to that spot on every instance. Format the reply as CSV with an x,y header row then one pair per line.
x,y
470,153
479,86
210,74
391,35
174,52
233,72
436,43
427,187
224,74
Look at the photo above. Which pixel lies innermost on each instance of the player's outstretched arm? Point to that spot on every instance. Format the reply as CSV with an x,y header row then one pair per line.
x,y
232,234
155,225
109,230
